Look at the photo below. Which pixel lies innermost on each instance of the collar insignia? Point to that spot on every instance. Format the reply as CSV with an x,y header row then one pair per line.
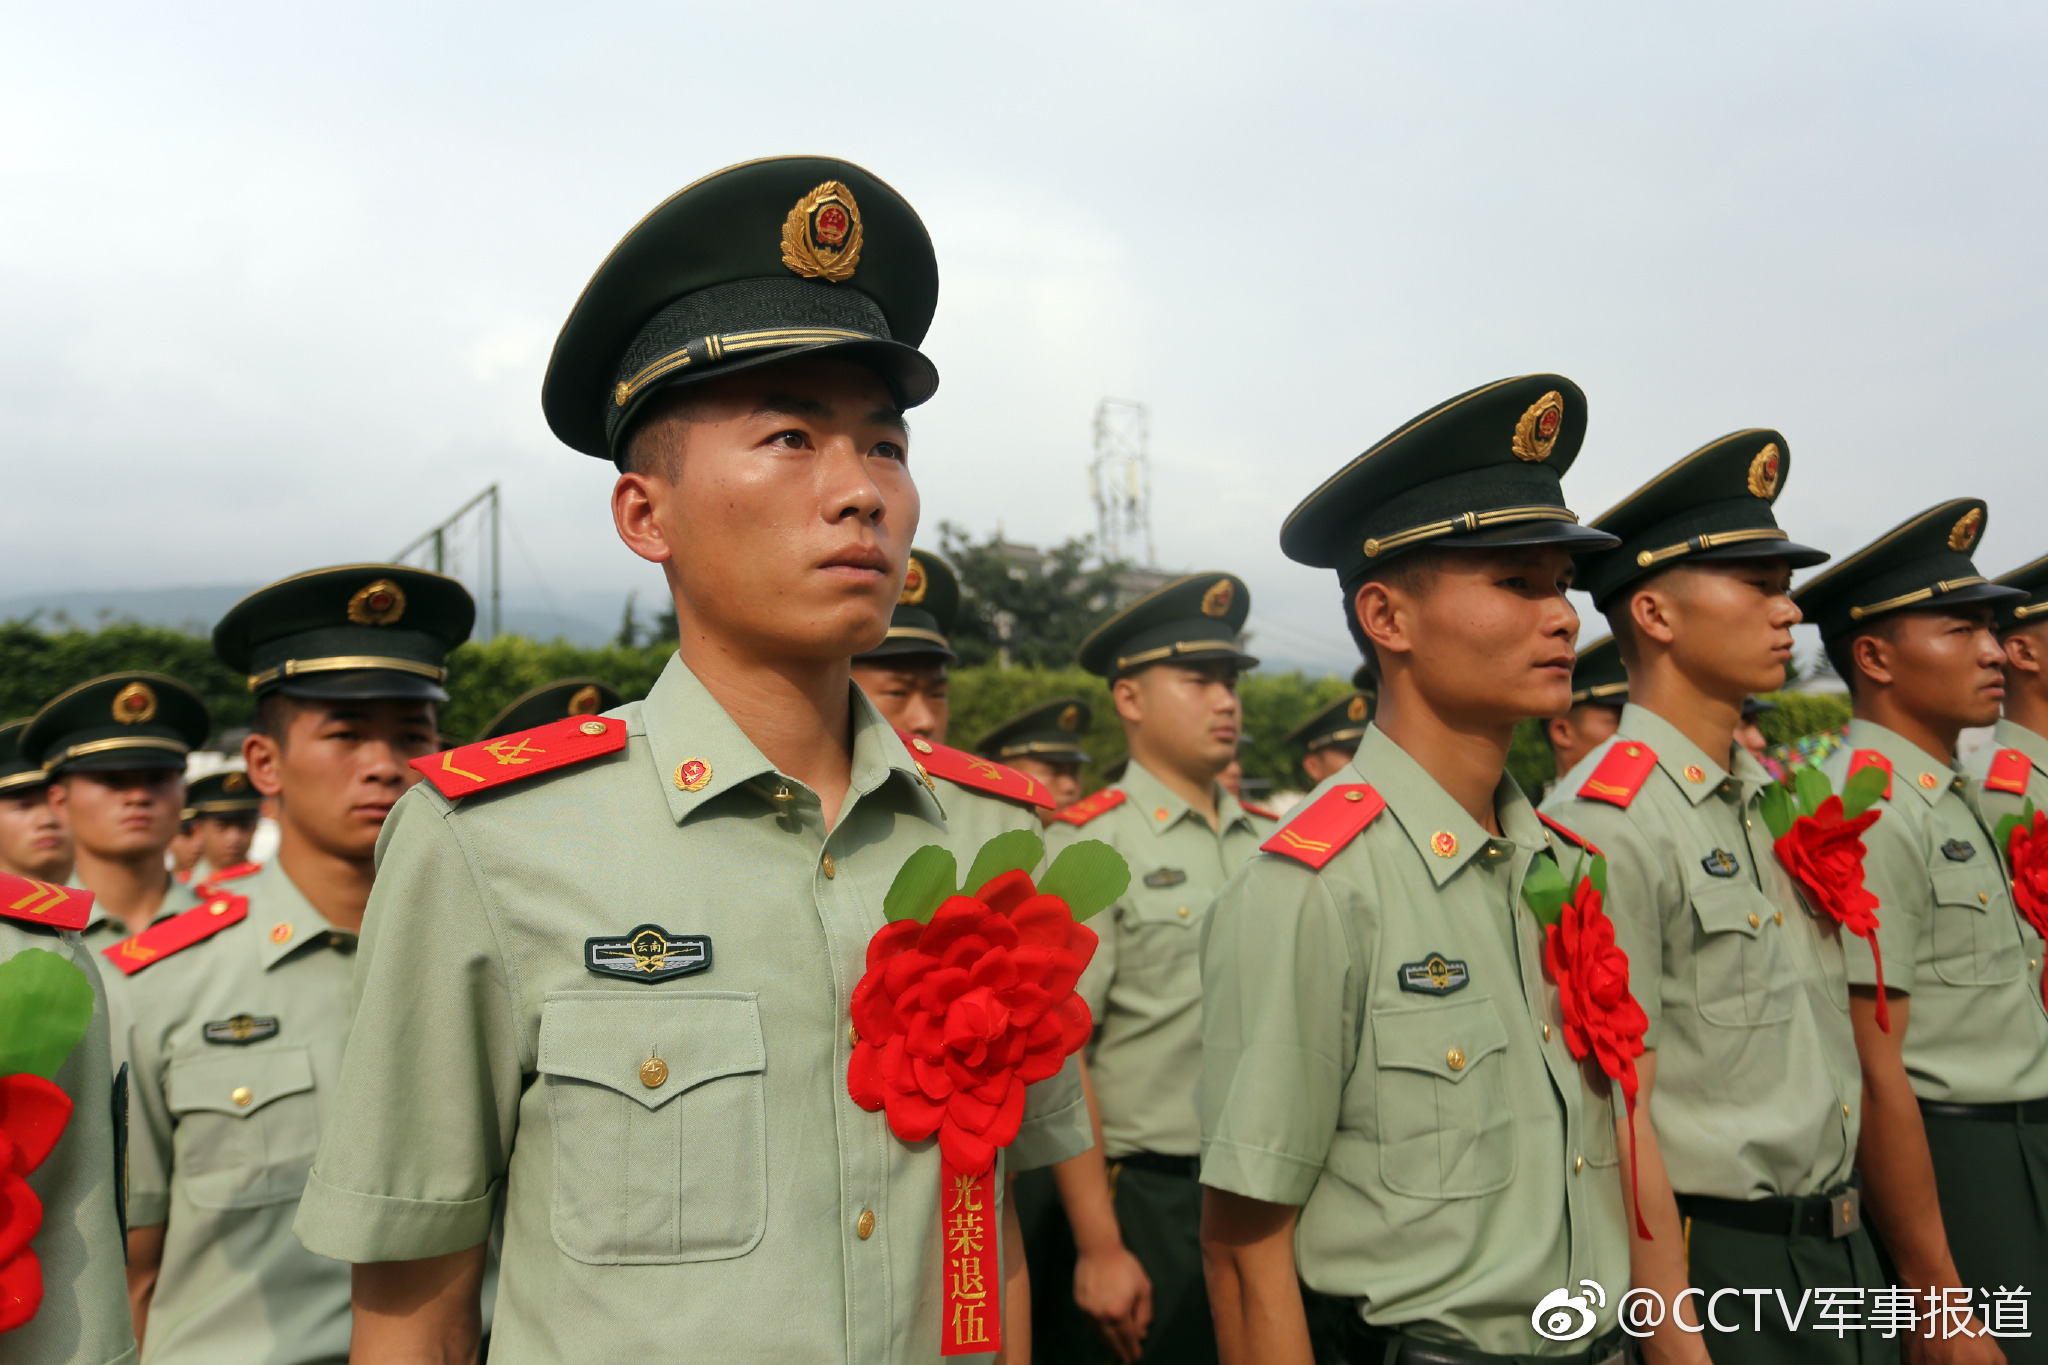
x,y
1434,975
1720,863
241,1030
1164,877
649,953
1959,850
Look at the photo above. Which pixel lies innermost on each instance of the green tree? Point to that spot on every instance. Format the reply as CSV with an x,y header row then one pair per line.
x,y
35,665
1040,614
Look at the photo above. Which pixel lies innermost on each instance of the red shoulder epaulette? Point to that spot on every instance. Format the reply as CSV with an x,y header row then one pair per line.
x,y
2009,771
971,770
1871,758
1259,811
34,902
472,768
179,932
1086,809
226,874
1570,836
1332,820
1621,774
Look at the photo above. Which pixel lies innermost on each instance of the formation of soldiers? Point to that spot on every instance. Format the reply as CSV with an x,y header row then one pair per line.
x,y
545,1045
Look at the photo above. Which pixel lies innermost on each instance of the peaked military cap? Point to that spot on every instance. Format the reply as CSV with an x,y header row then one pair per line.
x,y
1362,680
352,633
2031,579
553,701
786,256
1340,724
1479,471
222,793
1196,617
1598,675
1051,730
1114,771
1922,563
1753,706
924,614
1713,504
18,776
118,722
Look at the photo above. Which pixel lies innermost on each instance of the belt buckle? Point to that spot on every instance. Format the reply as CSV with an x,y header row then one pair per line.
x,y
1845,1213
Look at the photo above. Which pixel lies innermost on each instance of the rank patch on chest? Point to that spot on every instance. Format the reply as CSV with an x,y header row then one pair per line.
x,y
1434,975
1959,850
649,953
1720,863
1165,876
241,1029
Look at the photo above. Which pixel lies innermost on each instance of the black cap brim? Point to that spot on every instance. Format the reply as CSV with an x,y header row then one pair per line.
x,y
909,647
360,684
121,761
1245,662
1791,551
1567,535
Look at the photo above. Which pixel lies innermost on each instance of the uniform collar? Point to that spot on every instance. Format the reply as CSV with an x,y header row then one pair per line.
x,y
684,724
282,915
178,898
1445,837
1913,768
1691,769
1163,809
2029,742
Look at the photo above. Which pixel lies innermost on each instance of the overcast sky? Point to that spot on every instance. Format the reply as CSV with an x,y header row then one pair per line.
x,y
277,283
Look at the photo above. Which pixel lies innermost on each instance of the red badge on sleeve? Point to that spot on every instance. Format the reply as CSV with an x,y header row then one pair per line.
x,y
1620,775
34,902
2009,770
1331,821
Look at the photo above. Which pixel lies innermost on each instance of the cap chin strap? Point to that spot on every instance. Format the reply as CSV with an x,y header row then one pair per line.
x,y
1150,656
347,663
1908,599
1464,521
101,746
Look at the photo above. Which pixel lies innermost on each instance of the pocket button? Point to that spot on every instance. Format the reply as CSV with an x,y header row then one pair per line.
x,y
1455,1059
241,1095
653,1073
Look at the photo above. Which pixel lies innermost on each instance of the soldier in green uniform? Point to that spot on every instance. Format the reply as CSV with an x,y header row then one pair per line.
x,y
1330,737
115,751
83,1316
1390,1103
2013,769
223,810
553,701
34,841
608,963
1751,1075
1044,741
905,675
1955,1095
1172,659
1599,691
1749,731
237,1012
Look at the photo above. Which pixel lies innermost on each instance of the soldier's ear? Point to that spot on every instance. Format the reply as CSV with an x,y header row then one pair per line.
x,y
2024,652
1649,614
1381,619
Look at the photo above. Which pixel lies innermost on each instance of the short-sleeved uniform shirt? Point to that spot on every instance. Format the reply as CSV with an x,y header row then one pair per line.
x,y
84,1314
1144,985
1382,1046
1994,806
742,1206
1949,932
234,1046
1759,1090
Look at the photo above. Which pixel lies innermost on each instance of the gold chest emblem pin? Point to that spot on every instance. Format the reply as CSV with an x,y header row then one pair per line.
x,y
1216,601
135,704
1964,534
821,237
1537,430
1763,472
377,604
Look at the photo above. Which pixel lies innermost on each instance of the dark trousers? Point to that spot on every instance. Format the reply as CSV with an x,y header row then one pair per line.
x,y
1721,1257
1992,1179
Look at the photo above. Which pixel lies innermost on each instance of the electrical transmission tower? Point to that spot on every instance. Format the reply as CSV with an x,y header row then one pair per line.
x,y
465,546
1120,481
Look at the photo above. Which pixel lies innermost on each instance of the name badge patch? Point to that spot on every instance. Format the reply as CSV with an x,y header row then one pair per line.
x,y
1165,876
649,953
1720,863
241,1029
1959,850
1434,975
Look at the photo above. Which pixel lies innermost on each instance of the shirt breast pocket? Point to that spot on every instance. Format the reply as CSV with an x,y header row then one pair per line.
x,y
660,1125
1976,942
1446,1131
1160,941
1744,973
247,1126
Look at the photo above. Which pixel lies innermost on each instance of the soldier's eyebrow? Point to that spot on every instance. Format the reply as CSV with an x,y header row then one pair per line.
x,y
792,405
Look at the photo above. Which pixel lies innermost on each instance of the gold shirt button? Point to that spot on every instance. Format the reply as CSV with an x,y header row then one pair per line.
x,y
866,1226
241,1095
1779,917
1455,1059
1983,899
592,727
921,747
1183,912
1845,1110
830,870
1578,1164
853,1035
653,1073
1354,796
1754,922
1546,1033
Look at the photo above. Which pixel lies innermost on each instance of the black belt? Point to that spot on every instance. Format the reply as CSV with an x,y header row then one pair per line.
x,y
1837,1213
2020,1111
1187,1167
1367,1345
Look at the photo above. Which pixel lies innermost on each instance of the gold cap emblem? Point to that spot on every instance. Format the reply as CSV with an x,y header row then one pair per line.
x,y
915,582
821,237
1763,472
1355,711
135,704
234,782
1964,535
586,701
1216,601
377,604
1537,432
1070,719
